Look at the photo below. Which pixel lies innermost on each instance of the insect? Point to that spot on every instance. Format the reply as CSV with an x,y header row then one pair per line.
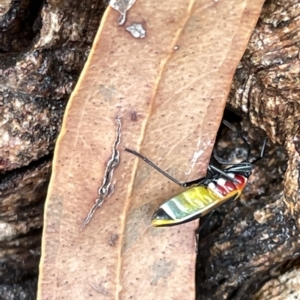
x,y
207,193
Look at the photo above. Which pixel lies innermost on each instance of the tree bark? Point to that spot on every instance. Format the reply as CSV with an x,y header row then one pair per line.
x,y
253,246
43,49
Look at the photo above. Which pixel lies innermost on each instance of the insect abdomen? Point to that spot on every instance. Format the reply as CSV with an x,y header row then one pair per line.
x,y
193,199
197,201
183,206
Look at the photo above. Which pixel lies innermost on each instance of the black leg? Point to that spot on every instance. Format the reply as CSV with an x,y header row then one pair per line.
x,y
262,152
214,169
197,232
219,159
149,162
226,123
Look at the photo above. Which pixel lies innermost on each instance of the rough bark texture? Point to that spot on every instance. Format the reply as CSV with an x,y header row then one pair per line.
x,y
43,48
254,243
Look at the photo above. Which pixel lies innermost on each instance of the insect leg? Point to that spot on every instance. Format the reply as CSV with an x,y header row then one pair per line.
x,y
198,231
219,159
226,123
262,152
149,162
214,169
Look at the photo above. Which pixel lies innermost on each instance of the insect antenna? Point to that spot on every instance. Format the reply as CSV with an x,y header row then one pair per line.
x,y
149,162
153,165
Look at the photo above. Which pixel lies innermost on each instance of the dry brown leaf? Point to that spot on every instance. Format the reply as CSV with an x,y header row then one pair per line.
x,y
169,89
